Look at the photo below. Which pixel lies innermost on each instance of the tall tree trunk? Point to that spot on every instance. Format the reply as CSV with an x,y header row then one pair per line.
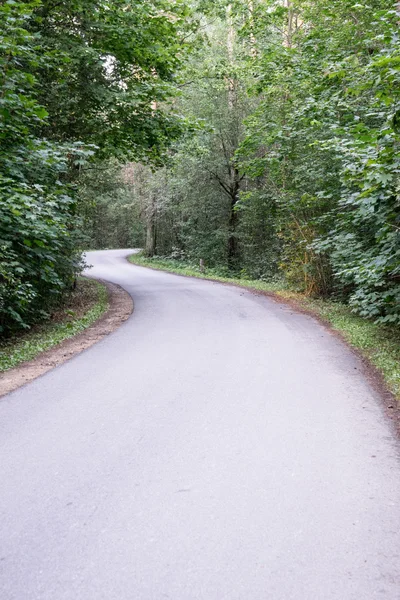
x,y
233,249
151,211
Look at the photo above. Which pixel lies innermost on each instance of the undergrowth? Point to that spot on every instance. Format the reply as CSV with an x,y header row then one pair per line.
x,y
85,305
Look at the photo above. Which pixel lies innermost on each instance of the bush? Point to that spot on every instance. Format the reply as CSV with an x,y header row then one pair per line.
x,y
38,260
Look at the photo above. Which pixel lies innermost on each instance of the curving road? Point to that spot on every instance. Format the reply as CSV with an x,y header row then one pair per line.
x,y
217,446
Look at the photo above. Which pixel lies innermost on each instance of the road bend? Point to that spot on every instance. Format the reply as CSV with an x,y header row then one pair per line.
x,y
217,446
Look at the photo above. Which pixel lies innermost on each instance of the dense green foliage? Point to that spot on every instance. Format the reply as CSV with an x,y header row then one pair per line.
x,y
109,206
294,169
289,167
81,81
330,149
38,257
109,66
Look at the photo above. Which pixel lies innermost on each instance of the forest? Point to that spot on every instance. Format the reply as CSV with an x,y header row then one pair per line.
x,y
260,137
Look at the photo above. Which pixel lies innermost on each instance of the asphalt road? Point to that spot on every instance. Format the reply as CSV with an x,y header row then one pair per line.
x,y
216,446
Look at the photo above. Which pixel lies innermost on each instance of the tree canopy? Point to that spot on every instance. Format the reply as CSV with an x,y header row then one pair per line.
x,y
259,136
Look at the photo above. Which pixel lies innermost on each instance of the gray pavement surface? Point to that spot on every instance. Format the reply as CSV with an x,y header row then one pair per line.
x,y
217,446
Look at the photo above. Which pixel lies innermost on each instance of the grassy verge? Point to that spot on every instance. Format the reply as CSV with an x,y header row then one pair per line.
x,y
377,343
85,305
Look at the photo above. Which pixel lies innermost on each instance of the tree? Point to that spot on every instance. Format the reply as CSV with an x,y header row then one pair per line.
x,y
38,248
201,181
324,141
110,72
77,88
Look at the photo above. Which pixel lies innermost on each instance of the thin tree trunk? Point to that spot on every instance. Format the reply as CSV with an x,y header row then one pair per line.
x,y
230,45
290,23
233,246
150,248
253,49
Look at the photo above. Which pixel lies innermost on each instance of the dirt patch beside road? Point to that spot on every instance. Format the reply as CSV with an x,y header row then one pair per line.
x,y
120,308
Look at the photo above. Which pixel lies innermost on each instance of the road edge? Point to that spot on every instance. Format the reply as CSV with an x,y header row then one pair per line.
x,y
389,402
120,308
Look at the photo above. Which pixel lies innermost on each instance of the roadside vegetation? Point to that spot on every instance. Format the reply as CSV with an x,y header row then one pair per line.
x,y
83,306
378,343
